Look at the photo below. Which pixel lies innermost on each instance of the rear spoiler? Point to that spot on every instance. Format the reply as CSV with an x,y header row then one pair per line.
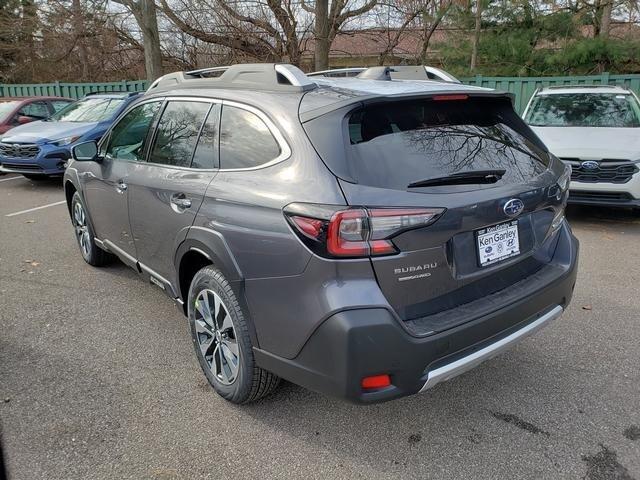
x,y
376,98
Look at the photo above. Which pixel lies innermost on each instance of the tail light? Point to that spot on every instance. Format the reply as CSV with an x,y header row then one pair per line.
x,y
355,232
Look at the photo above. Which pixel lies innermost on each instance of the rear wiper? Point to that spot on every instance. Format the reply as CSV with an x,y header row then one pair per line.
x,y
462,178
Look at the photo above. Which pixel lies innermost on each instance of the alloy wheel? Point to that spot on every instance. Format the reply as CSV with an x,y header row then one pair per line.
x,y
82,229
216,337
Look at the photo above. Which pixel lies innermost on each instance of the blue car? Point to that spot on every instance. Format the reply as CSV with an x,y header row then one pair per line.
x,y
41,149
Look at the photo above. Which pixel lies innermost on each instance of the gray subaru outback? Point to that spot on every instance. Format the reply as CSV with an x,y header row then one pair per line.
x,y
362,237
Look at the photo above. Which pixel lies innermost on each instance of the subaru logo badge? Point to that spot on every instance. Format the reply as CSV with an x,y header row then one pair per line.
x,y
513,207
590,165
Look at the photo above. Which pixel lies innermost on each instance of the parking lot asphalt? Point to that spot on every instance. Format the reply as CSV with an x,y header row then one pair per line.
x,y
98,380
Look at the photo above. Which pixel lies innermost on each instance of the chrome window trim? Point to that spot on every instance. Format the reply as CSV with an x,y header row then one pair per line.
x,y
285,149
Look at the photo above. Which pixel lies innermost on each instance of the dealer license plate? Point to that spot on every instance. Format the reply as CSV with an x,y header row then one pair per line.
x,y
498,243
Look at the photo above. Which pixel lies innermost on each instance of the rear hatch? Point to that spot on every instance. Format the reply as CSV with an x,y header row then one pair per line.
x,y
495,229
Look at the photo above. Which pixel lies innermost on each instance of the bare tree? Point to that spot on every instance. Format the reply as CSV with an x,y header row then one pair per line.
x,y
144,11
476,36
605,18
403,14
79,32
329,19
431,19
249,30
321,35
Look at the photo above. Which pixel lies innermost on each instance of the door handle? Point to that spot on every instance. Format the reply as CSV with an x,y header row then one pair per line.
x,y
180,201
121,187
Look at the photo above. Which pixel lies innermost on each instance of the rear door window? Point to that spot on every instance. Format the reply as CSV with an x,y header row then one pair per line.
x,y
394,144
245,139
207,155
177,132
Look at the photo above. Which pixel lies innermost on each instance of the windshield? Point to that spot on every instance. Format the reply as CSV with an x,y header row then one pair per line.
x,y
395,144
88,110
6,108
584,110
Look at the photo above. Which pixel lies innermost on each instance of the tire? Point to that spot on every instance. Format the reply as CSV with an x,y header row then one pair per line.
x,y
224,347
36,178
91,253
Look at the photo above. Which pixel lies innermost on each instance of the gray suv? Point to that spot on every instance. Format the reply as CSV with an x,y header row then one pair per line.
x,y
362,237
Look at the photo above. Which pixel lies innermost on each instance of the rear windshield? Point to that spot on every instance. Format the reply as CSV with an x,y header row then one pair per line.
x,y
584,110
88,110
394,144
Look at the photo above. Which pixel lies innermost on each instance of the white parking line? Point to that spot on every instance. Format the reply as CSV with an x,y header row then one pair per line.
x,y
36,208
11,178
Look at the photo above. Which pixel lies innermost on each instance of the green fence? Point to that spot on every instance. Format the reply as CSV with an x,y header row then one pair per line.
x,y
522,87
72,90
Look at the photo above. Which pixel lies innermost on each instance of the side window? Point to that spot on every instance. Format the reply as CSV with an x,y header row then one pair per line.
x,y
35,110
245,140
127,139
58,105
177,133
206,155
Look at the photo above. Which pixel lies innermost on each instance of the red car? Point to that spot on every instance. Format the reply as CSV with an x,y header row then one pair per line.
x,y
16,111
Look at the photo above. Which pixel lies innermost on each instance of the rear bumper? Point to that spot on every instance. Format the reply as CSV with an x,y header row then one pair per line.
x,y
354,344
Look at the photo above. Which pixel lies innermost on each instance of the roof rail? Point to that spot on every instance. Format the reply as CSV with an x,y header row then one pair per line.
x,y
254,76
553,87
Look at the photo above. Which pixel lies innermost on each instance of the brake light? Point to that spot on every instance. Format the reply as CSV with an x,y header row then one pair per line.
x,y
444,98
355,232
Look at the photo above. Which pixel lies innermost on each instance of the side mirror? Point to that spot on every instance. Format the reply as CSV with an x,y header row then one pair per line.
x,y
85,152
22,119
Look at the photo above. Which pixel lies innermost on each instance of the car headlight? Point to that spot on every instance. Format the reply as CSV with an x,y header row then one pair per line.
x,y
61,142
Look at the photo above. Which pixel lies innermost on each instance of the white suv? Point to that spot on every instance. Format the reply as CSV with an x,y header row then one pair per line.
x,y
596,130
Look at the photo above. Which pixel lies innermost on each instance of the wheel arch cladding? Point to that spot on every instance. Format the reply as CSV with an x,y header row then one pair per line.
x,y
194,255
69,190
190,263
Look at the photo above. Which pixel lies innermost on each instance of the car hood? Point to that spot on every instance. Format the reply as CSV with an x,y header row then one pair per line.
x,y
41,132
591,143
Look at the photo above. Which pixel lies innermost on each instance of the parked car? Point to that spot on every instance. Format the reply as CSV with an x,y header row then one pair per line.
x,y
595,130
400,72
16,111
41,149
362,238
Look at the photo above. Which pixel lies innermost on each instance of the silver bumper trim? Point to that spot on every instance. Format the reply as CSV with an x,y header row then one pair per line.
x,y
474,359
